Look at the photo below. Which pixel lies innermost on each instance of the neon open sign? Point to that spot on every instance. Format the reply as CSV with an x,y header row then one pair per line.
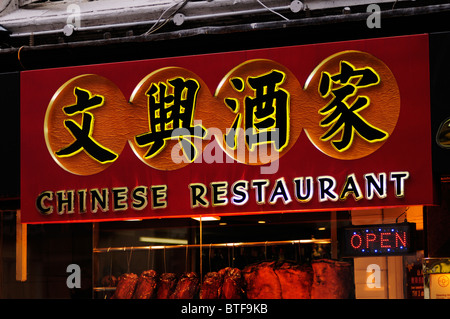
x,y
379,240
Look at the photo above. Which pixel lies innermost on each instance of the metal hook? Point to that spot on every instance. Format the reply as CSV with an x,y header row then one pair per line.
x,y
209,257
186,262
164,252
148,257
129,259
265,250
110,262
232,259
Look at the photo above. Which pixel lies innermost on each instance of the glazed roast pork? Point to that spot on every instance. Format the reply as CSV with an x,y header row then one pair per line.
x,y
125,286
211,286
295,280
261,281
166,286
109,281
226,283
146,285
332,280
187,286
232,284
322,279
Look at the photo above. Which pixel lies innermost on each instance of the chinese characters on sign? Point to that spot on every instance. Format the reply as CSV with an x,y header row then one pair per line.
x,y
83,134
266,113
169,112
81,124
262,122
259,105
345,117
351,111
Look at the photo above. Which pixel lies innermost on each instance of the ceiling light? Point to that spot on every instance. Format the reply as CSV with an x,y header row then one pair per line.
x,y
163,240
207,218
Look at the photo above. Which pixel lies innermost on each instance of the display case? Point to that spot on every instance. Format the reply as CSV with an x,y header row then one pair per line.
x,y
256,256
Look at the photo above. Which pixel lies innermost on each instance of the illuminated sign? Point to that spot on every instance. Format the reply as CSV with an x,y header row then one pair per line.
x,y
378,240
436,273
299,128
257,114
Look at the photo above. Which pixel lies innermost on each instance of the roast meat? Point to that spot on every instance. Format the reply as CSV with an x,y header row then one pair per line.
x,y
261,281
146,285
295,280
167,284
212,286
126,286
332,280
232,284
187,286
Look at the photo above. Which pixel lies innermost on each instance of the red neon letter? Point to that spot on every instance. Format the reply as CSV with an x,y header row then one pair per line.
x,y
373,237
382,240
353,245
398,238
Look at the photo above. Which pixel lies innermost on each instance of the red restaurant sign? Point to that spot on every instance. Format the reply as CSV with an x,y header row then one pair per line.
x,y
317,127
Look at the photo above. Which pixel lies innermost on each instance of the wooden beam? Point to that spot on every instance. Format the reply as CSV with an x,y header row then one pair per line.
x,y
21,249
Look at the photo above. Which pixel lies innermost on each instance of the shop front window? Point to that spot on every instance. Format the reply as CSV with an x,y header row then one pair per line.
x,y
290,256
